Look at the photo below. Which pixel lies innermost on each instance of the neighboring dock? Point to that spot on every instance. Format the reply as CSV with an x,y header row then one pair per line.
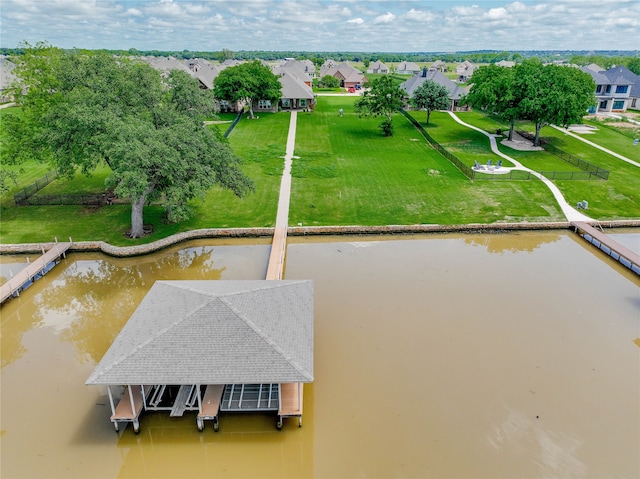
x,y
33,271
608,245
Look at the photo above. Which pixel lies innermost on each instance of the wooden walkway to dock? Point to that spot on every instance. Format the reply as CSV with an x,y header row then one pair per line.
x,y
32,272
608,245
275,268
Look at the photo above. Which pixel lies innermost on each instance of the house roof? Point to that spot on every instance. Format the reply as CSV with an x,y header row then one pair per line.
x,y
215,332
293,87
7,77
455,91
599,77
621,76
207,74
408,66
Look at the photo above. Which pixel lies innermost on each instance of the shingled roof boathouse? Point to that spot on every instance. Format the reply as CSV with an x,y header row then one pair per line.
x,y
211,347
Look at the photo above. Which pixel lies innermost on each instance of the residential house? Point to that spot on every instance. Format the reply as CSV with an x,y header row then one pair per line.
x,y
378,67
349,77
166,64
296,93
7,77
302,66
465,70
506,64
456,92
299,69
408,68
438,66
614,89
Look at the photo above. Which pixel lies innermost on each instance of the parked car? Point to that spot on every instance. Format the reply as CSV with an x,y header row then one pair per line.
x,y
358,86
351,89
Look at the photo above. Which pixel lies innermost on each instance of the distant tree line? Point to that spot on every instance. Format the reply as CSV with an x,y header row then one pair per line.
x,y
604,58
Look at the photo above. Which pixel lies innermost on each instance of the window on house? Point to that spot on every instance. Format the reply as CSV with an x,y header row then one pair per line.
x,y
603,105
286,102
303,102
618,105
607,89
633,103
598,88
622,88
264,104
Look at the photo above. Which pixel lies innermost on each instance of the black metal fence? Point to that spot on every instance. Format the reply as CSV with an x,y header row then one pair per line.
x,y
233,125
32,189
593,170
97,199
590,171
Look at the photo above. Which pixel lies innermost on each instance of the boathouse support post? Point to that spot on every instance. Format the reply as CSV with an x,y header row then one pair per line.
x,y
133,405
113,407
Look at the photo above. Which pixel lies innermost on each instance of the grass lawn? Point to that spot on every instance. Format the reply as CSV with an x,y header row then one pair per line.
x,y
616,198
348,173
618,140
261,143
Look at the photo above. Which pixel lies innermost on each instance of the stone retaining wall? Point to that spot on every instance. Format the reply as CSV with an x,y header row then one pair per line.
x,y
142,249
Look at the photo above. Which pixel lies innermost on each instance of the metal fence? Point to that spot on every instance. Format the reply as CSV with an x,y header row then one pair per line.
x,y
32,189
590,171
594,171
233,125
98,199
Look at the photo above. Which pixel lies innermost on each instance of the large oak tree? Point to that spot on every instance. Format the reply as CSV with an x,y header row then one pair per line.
x,y
247,82
82,109
552,94
492,90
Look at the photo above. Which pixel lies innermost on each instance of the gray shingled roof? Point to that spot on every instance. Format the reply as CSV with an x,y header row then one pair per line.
x,y
455,91
215,332
293,87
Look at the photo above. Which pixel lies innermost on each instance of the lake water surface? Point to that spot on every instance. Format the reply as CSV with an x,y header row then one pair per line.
x,y
442,356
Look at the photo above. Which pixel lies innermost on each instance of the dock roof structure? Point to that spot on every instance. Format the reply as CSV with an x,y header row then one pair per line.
x,y
215,332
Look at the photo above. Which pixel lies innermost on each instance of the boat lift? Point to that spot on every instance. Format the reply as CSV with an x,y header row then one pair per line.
x,y
209,401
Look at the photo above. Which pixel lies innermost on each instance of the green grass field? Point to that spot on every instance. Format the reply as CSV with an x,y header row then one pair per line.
x,y
347,173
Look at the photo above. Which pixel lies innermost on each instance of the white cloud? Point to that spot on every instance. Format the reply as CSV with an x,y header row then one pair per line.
x,y
382,25
419,16
386,18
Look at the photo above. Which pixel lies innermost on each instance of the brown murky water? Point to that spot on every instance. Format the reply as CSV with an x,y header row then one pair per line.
x,y
475,356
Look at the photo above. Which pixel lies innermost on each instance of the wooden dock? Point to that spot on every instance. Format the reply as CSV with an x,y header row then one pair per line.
x,y
608,245
290,402
33,271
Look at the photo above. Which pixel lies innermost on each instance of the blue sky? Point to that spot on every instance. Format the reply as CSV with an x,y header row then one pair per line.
x,y
324,25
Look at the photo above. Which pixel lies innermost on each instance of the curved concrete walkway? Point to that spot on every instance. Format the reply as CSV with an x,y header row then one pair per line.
x,y
602,148
569,212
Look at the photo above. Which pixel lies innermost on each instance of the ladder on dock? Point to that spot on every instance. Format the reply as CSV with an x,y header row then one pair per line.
x,y
33,271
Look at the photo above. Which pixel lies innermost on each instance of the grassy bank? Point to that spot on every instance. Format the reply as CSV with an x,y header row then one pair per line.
x,y
347,173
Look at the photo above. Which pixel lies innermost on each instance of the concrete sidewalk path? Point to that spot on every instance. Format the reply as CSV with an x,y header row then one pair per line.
x,y
569,212
275,269
595,145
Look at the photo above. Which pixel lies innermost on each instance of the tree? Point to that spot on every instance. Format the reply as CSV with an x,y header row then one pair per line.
x,y
492,90
430,96
634,65
329,81
225,54
381,99
84,109
247,82
552,94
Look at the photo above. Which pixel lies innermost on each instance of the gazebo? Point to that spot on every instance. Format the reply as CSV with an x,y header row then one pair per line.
x,y
211,347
